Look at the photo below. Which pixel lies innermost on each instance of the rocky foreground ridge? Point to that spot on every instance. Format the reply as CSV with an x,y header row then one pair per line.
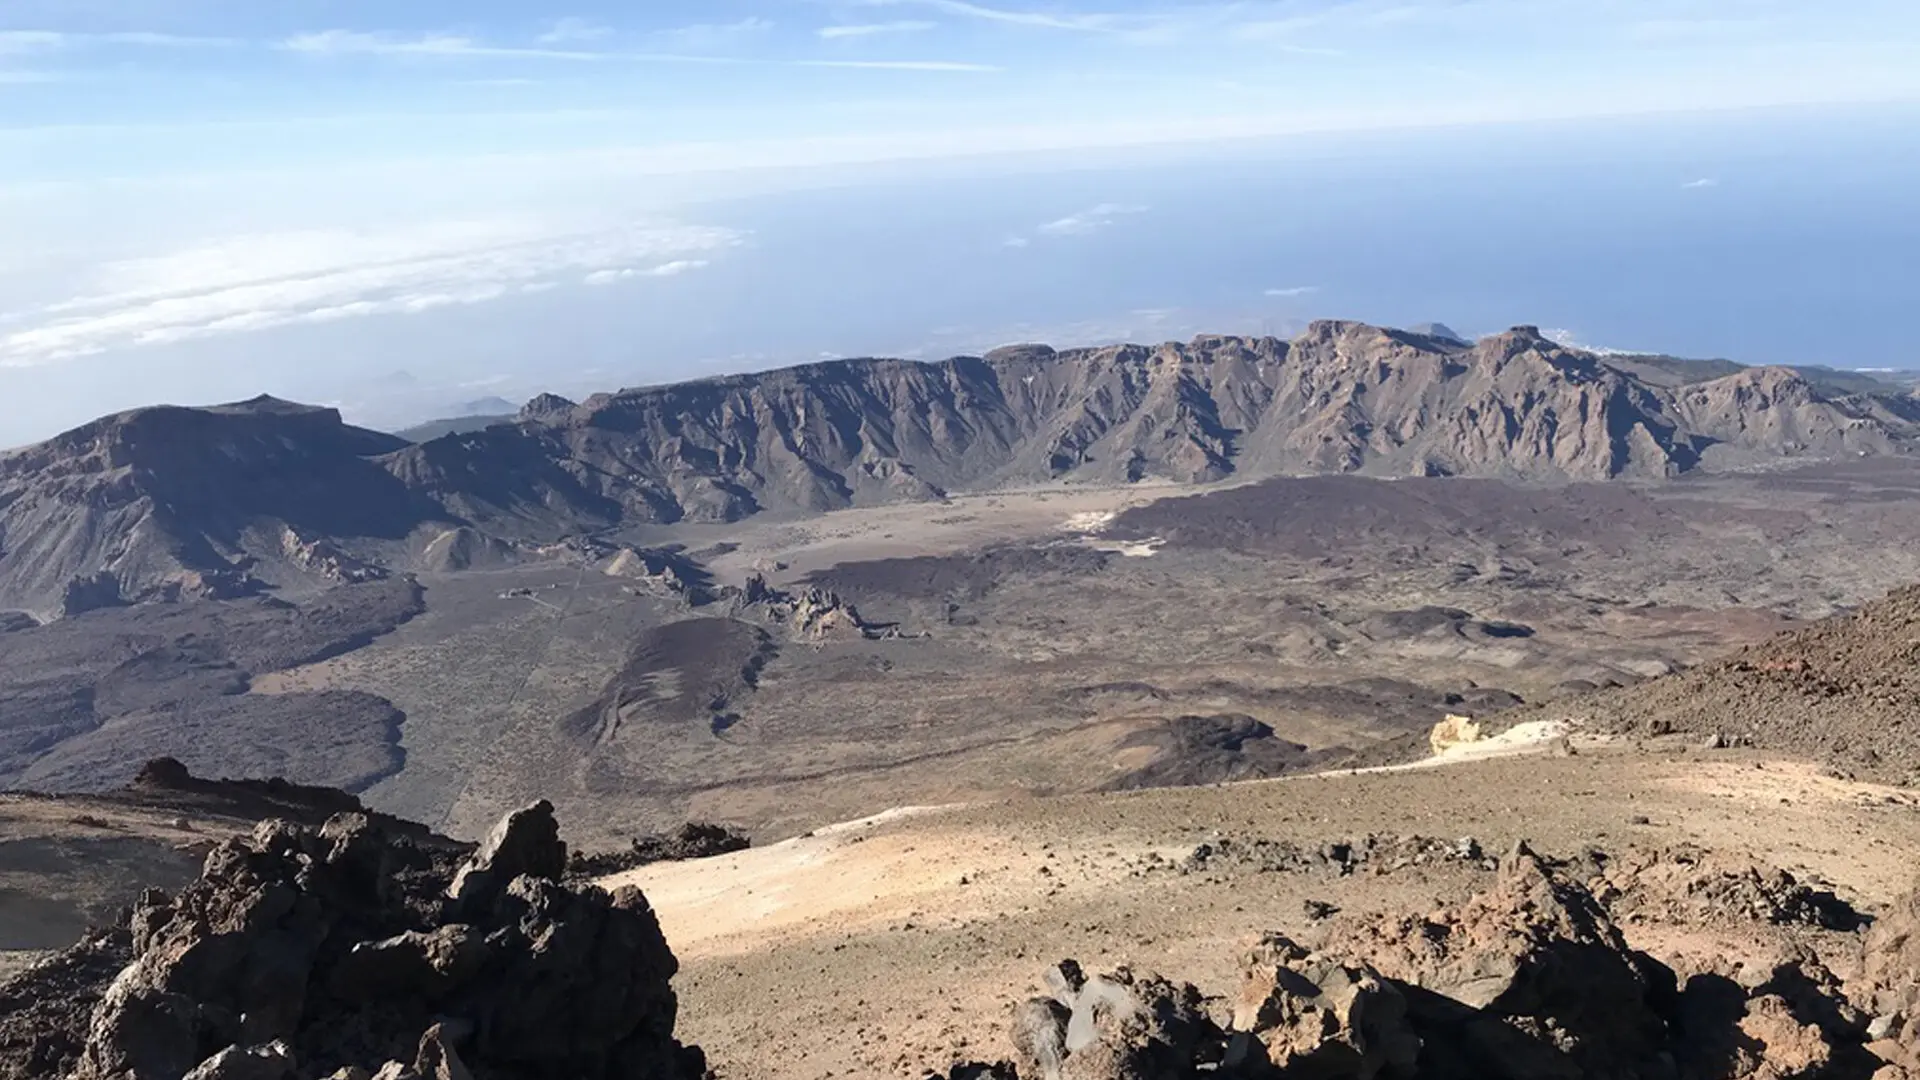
x,y
1531,978
217,502
348,950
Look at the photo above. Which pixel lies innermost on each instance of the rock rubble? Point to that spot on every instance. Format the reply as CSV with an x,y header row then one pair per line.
x,y
1530,978
347,952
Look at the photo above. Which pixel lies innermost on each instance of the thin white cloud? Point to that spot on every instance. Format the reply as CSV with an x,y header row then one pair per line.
x,y
1012,17
346,42
1703,182
1016,242
867,30
1567,339
1295,290
627,273
573,29
901,65
701,37
1090,220
164,41
251,283
13,42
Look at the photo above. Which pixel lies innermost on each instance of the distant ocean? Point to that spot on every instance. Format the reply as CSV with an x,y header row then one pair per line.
x,y
1765,237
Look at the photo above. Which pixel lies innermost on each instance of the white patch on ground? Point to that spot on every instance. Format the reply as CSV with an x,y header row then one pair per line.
x,y
1090,522
1531,737
883,817
1132,549
1520,738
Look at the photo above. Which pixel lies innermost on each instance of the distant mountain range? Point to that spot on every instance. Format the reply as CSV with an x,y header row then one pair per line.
x,y
224,501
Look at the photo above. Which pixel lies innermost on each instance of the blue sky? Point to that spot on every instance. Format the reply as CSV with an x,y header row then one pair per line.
x,y
186,181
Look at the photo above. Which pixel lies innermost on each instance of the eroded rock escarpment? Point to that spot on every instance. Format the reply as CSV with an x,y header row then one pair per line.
x,y
347,951
1529,979
267,495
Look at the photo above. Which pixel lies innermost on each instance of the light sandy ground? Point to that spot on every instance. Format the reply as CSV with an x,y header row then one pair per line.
x,y
786,551
907,937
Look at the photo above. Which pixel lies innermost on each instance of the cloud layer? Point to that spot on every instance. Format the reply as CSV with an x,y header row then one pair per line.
x,y
259,282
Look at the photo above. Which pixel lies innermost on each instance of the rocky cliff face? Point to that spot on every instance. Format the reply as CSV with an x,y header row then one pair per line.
x,y
218,501
1343,397
167,502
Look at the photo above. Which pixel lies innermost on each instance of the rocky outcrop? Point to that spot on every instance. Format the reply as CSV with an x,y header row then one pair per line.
x,y
1454,731
694,840
1773,1018
1530,978
813,614
344,951
663,572
324,559
1888,990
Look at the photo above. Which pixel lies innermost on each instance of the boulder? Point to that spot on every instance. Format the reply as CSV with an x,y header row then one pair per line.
x,y
526,841
1118,1026
1454,731
1315,1017
1040,1037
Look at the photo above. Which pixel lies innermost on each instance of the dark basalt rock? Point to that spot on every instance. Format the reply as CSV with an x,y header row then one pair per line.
x,y
348,951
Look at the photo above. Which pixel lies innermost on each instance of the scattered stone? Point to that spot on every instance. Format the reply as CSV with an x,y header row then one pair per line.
x,y
1685,884
273,1061
1372,853
1118,1026
1530,978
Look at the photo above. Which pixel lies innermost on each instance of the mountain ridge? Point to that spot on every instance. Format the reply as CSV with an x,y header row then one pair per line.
x,y
170,501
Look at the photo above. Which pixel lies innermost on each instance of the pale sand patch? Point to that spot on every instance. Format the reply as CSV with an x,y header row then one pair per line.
x,y
1132,549
1090,521
833,880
